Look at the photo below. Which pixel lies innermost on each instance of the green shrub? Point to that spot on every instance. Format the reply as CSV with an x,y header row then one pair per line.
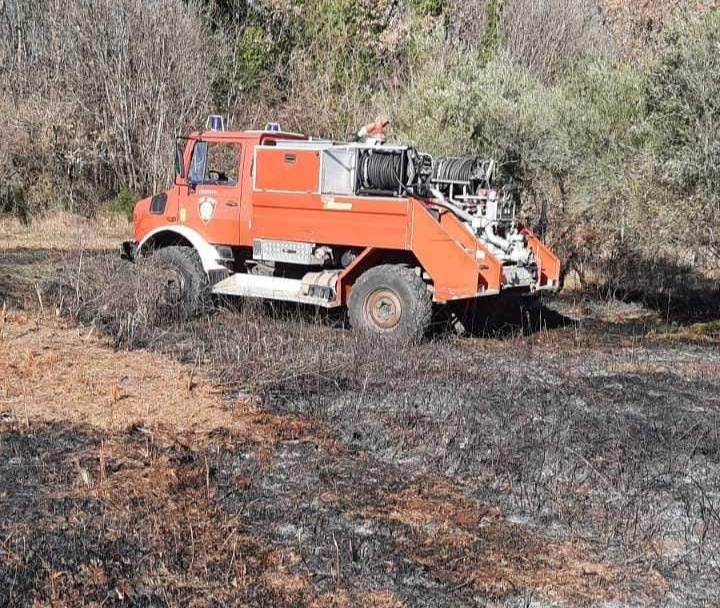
x,y
253,55
427,8
491,36
457,104
124,203
14,203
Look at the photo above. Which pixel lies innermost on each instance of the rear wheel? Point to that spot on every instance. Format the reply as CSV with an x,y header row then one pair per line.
x,y
391,300
531,312
181,282
497,314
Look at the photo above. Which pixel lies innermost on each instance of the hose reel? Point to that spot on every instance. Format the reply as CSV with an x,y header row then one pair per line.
x,y
382,171
461,171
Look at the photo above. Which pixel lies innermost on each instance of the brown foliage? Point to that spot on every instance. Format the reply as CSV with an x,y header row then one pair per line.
x,y
99,89
634,22
549,36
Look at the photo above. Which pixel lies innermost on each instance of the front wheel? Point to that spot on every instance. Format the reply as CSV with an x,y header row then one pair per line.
x,y
178,281
391,300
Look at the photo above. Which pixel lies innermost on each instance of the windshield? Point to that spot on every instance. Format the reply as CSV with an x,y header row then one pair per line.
x,y
214,163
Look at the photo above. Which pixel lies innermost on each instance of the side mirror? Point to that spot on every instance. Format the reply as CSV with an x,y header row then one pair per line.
x,y
179,165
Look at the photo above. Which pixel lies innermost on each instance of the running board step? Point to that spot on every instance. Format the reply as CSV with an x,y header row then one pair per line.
x,y
270,288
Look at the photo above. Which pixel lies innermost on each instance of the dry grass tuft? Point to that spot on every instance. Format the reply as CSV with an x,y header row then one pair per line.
x,y
64,231
58,374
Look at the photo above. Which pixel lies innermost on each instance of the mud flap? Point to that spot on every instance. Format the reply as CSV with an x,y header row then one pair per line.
x,y
128,250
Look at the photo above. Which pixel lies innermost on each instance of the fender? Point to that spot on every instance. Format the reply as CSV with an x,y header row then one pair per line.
x,y
208,254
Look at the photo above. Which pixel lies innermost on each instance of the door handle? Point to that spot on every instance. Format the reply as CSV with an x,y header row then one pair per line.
x,y
231,204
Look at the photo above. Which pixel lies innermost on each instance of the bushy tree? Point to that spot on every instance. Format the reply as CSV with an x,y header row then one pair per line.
x,y
684,106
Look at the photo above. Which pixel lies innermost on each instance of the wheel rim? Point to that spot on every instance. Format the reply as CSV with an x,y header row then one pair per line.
x,y
173,287
383,309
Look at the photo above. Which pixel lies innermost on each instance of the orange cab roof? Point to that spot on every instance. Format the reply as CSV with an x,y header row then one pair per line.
x,y
250,134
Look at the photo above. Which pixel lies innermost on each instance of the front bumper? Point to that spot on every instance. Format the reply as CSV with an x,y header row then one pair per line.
x,y
128,250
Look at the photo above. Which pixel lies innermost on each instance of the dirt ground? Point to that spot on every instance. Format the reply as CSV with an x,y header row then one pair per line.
x,y
257,458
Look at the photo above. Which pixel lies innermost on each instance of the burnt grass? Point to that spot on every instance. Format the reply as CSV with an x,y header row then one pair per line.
x,y
595,428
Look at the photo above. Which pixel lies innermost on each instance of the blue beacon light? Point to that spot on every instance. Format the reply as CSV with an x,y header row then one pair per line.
x,y
215,123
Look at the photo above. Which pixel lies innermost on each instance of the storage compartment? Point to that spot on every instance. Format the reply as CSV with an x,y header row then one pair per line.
x,y
339,171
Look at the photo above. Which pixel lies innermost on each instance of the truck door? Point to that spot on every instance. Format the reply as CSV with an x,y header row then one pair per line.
x,y
211,204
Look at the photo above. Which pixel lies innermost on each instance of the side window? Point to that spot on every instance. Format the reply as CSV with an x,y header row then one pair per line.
x,y
215,164
158,203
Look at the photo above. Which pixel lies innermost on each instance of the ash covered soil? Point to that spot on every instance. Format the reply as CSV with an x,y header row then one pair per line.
x,y
264,456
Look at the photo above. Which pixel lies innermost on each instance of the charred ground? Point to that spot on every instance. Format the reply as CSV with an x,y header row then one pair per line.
x,y
267,457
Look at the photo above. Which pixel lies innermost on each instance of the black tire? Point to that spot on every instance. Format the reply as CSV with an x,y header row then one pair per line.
x,y
465,317
531,313
495,315
391,300
180,279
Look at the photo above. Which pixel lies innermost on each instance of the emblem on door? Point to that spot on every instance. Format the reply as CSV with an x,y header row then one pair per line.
x,y
206,208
